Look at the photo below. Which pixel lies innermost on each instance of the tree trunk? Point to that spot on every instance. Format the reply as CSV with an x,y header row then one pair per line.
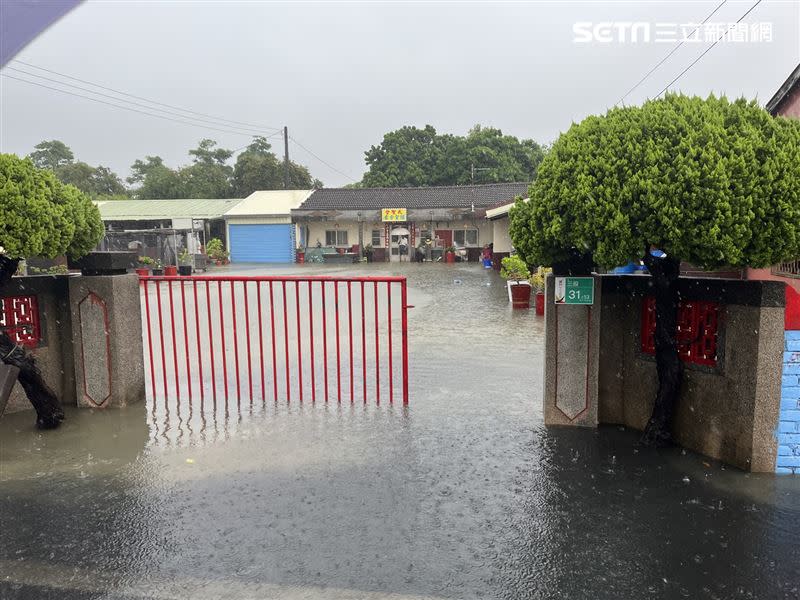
x,y
49,413
665,273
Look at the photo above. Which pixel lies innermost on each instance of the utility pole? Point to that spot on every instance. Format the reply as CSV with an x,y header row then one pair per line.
x,y
285,158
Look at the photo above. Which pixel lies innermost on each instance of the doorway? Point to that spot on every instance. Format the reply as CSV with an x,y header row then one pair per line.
x,y
399,244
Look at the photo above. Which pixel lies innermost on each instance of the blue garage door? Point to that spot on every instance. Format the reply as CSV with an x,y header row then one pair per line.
x,y
262,243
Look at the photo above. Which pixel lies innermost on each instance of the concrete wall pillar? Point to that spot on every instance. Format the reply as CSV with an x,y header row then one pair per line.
x,y
107,340
572,338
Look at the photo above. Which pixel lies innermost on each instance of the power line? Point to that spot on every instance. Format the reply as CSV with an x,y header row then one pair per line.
x,y
707,49
97,85
324,162
123,107
663,60
131,102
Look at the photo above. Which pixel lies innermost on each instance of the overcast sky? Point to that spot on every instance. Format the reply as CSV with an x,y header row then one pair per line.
x,y
340,75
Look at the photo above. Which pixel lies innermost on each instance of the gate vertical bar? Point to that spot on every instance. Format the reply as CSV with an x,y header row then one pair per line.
x,y
404,326
286,342
338,353
211,345
377,349
391,347
186,338
161,337
299,345
174,341
235,345
199,351
311,340
145,287
274,352
260,341
350,334
222,339
324,340
247,332
363,345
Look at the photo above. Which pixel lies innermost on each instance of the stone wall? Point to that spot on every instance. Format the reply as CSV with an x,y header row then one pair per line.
x,y
90,352
788,433
54,353
728,411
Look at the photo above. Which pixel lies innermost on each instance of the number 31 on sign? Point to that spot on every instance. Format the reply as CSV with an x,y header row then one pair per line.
x,y
574,290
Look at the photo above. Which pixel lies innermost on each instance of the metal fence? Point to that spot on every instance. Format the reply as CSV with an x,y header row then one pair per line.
x,y
223,340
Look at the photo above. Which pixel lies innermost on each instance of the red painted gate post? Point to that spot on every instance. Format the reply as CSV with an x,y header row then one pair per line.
x,y
404,327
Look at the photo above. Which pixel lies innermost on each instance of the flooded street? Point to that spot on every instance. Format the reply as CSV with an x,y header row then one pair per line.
x,y
461,494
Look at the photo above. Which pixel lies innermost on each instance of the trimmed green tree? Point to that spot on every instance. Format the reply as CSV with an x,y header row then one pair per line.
x,y
707,181
39,216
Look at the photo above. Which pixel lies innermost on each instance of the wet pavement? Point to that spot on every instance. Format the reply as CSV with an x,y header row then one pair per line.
x,y
463,494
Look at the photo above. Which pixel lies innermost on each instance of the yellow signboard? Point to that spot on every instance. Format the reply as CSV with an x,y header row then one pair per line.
x,y
393,214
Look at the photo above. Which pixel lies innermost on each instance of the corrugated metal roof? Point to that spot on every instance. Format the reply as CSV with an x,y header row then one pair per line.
x,y
269,203
453,196
154,210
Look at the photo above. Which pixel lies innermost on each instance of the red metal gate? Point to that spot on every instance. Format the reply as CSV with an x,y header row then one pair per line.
x,y
247,339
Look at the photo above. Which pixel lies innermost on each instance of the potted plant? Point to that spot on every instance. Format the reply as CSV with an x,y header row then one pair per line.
x,y
216,252
301,255
158,269
170,270
450,254
147,263
368,252
537,281
516,272
185,262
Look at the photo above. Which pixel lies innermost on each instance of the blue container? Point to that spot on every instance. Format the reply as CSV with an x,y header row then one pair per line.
x,y
487,263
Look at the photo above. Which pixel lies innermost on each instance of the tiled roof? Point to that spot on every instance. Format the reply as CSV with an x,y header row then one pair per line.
x,y
156,210
451,196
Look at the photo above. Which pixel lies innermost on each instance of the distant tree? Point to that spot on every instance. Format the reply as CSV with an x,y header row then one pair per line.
x,y
411,156
711,182
140,168
162,182
96,182
39,216
51,155
257,168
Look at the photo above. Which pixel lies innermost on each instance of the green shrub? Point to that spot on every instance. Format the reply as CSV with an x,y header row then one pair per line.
x,y
513,267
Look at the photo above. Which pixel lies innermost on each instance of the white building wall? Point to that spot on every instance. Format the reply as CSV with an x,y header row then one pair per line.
x,y
317,229
502,240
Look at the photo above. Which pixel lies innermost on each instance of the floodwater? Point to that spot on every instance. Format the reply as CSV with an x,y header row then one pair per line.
x,y
463,494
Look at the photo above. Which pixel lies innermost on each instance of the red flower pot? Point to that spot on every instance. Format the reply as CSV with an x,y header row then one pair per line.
x,y
450,257
539,303
301,257
170,271
520,295
142,272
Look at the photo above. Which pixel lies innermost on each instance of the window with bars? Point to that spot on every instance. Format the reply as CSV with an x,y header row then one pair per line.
x,y
376,238
465,237
335,237
19,319
697,330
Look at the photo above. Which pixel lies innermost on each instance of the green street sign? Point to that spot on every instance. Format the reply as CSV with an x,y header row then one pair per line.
x,y
574,290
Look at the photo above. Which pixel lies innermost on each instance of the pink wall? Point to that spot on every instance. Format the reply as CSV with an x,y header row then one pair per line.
x,y
768,275
790,106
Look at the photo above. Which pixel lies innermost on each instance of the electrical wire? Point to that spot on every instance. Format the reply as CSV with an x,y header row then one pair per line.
x,y
324,162
6,75
97,85
696,60
671,52
131,102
